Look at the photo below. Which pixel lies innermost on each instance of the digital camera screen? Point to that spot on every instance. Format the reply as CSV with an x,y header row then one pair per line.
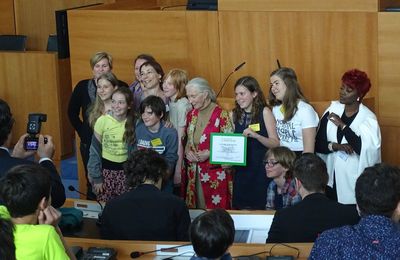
x,y
31,145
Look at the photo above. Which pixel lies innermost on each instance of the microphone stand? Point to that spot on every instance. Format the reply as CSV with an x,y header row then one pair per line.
x,y
226,79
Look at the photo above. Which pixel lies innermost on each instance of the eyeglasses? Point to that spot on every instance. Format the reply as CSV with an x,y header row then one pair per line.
x,y
270,163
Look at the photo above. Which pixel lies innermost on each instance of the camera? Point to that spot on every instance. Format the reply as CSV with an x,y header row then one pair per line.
x,y
31,142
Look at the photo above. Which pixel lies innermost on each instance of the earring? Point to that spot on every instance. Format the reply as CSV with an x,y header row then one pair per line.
x,y
358,99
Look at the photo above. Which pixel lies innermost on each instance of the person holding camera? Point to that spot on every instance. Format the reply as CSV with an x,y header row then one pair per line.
x,y
45,152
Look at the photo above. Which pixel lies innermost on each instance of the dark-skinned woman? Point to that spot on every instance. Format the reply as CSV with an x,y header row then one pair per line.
x,y
349,138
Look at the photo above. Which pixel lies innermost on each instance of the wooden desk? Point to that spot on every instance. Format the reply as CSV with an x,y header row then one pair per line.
x,y
257,222
124,248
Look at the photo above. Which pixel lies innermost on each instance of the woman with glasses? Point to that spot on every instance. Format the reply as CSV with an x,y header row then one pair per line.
x,y
252,118
281,192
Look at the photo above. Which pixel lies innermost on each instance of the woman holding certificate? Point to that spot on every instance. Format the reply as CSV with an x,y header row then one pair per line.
x,y
296,119
208,185
253,118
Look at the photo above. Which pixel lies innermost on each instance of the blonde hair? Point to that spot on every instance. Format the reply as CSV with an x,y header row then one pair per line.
x,y
96,109
98,57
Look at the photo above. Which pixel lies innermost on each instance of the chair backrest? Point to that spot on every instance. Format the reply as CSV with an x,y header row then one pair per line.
x,y
52,43
13,42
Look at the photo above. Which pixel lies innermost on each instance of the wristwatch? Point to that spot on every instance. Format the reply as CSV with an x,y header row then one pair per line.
x,y
330,147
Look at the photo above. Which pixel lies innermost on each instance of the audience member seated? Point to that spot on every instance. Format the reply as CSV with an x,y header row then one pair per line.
x,y
281,192
28,221
145,212
316,213
377,235
211,234
18,156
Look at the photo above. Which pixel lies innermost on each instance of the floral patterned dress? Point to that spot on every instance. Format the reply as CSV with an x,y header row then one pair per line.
x,y
215,182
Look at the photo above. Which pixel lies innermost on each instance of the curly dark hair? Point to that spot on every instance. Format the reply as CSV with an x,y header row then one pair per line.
x,y
378,190
358,80
6,121
144,165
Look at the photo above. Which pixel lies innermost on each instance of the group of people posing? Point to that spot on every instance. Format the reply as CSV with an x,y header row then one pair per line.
x,y
175,116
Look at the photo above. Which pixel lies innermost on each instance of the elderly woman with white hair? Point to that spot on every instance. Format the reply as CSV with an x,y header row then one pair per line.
x,y
208,186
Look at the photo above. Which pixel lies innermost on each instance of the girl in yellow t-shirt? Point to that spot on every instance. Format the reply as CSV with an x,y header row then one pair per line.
x,y
109,149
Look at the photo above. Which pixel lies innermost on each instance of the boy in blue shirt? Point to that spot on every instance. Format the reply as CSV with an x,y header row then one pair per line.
x,y
151,133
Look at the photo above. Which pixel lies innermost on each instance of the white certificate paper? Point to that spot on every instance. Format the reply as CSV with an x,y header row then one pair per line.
x,y
229,149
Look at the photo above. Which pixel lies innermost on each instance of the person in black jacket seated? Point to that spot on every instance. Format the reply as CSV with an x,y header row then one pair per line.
x,y
212,234
18,156
82,97
145,212
316,213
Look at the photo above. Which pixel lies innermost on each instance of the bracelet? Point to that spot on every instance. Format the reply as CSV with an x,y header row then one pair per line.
x,y
330,147
344,127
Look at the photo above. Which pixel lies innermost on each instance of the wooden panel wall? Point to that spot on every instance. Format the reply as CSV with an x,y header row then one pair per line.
x,y
304,41
37,91
389,87
176,39
299,5
36,18
7,25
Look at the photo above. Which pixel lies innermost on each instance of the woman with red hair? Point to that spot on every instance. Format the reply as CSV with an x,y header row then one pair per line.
x,y
349,138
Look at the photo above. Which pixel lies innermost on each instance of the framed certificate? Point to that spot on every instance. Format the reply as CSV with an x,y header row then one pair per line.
x,y
229,149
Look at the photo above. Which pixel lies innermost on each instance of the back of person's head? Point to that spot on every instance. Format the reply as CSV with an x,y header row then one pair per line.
x,y
6,121
144,56
145,165
311,171
212,233
378,190
284,156
23,188
156,104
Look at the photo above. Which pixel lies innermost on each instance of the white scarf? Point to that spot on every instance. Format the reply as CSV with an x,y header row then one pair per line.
x,y
347,167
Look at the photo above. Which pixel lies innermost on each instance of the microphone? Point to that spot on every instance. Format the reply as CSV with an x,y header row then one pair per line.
x,y
226,79
72,188
136,254
279,64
